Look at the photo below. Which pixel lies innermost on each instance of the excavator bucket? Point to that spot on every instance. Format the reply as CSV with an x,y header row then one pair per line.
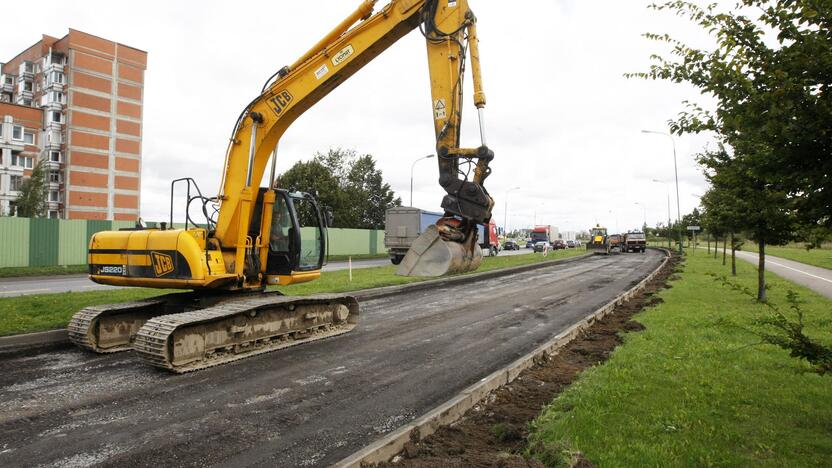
x,y
430,255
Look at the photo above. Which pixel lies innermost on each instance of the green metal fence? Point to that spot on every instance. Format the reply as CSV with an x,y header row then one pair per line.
x,y
47,242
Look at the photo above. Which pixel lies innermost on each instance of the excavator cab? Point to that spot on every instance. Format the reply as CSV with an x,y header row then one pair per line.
x,y
297,237
297,241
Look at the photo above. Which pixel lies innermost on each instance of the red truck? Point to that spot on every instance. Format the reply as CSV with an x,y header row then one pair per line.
x,y
489,242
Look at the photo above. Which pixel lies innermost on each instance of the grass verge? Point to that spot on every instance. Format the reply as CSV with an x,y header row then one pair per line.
x,y
40,312
695,389
14,272
818,257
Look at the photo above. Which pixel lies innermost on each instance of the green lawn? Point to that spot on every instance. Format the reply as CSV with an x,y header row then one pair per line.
x,y
49,311
818,257
13,272
693,391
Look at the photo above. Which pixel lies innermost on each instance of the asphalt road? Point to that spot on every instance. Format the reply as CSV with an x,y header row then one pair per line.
x,y
815,278
306,406
10,287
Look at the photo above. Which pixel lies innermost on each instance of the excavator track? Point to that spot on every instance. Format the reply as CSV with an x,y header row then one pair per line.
x,y
236,329
110,328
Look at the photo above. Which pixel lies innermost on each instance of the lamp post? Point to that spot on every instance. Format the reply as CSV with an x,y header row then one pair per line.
x,y
412,166
505,213
668,209
676,171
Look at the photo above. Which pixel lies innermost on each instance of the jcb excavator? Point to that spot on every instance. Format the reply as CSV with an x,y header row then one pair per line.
x,y
253,237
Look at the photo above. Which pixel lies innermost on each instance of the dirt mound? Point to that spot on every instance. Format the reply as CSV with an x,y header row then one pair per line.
x,y
494,433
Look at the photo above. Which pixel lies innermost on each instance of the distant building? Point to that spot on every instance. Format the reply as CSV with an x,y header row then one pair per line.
x,y
74,103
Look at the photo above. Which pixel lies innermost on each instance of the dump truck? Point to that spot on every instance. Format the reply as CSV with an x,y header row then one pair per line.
x,y
634,242
402,225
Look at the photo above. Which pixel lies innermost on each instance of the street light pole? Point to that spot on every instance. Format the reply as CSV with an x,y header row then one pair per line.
x,y
676,172
505,213
412,166
668,209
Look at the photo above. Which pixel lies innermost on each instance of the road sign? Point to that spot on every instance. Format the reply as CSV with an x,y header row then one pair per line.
x,y
693,228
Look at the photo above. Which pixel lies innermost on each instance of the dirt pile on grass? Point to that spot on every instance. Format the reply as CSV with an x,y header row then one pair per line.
x,y
494,433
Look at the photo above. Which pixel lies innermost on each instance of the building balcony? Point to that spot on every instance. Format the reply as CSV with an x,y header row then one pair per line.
x,y
5,86
51,165
49,65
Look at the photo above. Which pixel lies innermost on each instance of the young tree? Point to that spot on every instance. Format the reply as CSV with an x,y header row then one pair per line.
x,y
748,203
31,203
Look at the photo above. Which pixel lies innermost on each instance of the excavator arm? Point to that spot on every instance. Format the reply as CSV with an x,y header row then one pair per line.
x,y
449,28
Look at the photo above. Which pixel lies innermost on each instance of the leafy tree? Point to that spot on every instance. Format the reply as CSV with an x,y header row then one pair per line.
x,y
351,186
748,203
31,203
768,72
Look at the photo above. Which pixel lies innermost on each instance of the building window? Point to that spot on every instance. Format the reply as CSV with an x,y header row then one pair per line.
x,y
57,77
27,86
54,177
17,133
53,195
58,97
55,116
9,80
29,138
15,182
53,214
15,160
28,162
55,156
26,102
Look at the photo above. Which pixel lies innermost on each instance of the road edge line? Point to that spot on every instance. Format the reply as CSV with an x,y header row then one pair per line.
x,y
384,449
12,343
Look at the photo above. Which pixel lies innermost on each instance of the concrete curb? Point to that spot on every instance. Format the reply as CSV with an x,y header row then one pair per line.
x,y
386,448
60,336
29,340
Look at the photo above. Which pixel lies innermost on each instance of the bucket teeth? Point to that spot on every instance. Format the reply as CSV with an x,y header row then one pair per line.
x,y
430,255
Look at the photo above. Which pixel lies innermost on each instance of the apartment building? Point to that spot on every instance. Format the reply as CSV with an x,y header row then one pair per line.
x,y
75,104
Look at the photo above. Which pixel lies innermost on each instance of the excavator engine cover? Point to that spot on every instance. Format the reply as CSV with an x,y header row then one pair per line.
x,y
430,255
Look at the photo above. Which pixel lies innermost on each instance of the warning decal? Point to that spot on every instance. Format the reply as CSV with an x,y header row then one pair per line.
x,y
439,112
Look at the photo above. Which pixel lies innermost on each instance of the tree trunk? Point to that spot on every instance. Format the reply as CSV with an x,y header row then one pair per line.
x,y
709,244
761,273
724,241
716,246
733,255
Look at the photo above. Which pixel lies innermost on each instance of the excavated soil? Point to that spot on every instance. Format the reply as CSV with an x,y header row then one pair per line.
x,y
494,433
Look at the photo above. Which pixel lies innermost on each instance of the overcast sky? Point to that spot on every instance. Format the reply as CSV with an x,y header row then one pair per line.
x,y
564,123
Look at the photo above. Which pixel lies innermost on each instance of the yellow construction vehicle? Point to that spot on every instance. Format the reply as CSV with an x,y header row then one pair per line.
x,y
599,242
253,237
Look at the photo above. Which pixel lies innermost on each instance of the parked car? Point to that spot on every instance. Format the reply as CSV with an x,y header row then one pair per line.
x,y
558,244
540,246
510,245
529,245
578,243
570,244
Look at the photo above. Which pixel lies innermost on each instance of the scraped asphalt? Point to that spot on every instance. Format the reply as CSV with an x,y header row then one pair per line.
x,y
306,406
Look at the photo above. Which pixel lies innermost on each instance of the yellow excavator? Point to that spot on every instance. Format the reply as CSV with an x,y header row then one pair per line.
x,y
599,242
253,236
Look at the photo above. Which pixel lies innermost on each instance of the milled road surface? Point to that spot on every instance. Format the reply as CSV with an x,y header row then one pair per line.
x,y
12,287
306,406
